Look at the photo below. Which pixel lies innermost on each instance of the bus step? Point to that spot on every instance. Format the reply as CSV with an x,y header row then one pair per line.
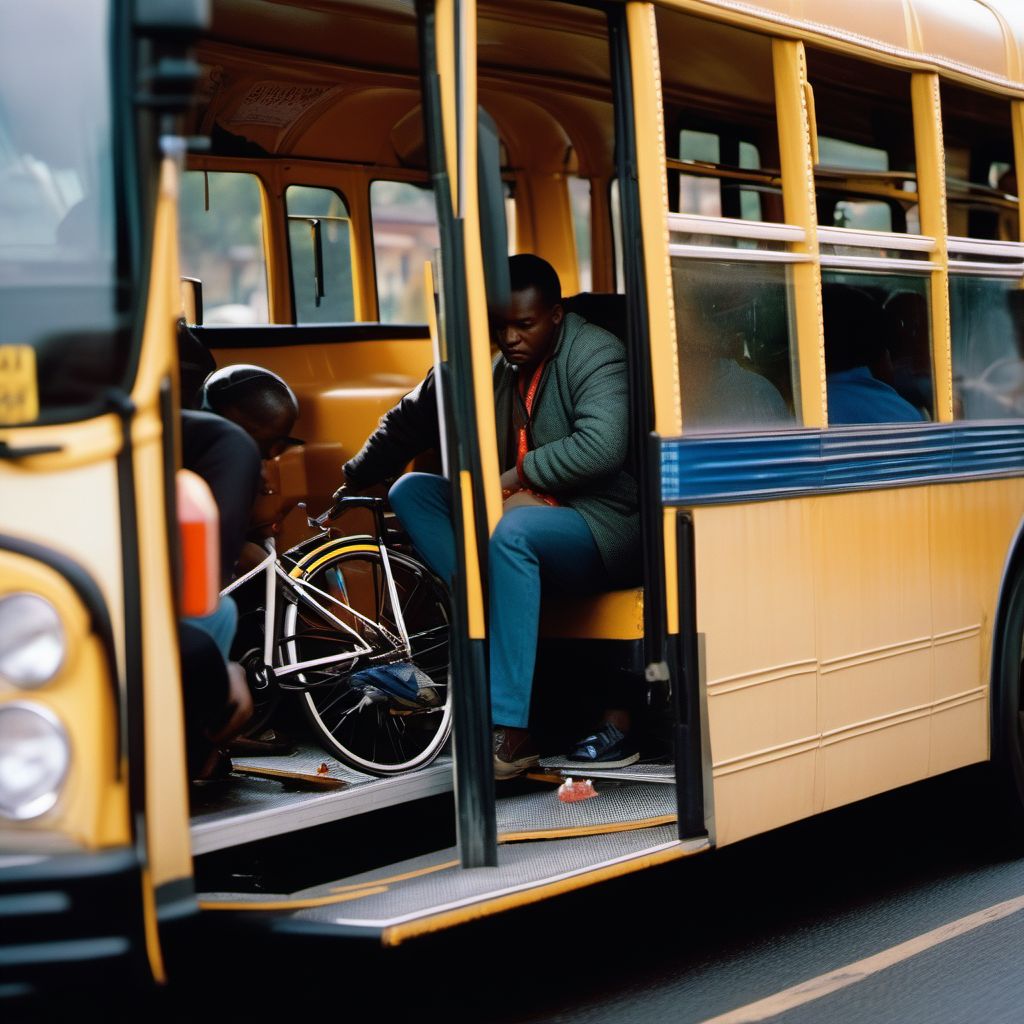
x,y
432,892
619,806
275,795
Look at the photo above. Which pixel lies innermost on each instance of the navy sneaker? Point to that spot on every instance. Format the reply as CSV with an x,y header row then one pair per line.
x,y
609,747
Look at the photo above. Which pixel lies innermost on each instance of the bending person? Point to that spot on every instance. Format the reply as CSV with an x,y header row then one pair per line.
x,y
571,520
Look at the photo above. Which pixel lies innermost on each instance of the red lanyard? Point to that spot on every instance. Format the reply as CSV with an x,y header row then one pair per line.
x,y
528,394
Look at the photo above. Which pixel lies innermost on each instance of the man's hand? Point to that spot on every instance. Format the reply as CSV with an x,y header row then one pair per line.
x,y
510,482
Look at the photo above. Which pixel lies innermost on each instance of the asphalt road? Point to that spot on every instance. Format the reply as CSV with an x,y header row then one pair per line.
x,y
698,939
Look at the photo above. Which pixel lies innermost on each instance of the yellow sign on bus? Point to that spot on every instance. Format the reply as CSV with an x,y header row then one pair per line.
x,y
19,390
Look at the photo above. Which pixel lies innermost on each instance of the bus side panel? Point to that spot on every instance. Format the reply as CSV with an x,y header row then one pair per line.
x,y
756,609
848,643
973,526
873,575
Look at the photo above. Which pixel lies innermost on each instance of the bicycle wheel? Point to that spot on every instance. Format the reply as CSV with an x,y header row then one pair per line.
x,y
363,727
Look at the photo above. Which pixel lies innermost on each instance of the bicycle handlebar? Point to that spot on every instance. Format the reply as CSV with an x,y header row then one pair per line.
x,y
342,502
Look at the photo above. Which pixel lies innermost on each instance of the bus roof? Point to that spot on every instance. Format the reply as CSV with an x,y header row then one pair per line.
x,y
977,39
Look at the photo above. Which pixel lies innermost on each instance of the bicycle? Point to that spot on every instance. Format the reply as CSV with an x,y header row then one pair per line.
x,y
362,639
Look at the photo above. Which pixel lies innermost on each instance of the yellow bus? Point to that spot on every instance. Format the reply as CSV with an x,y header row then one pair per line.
x,y
803,220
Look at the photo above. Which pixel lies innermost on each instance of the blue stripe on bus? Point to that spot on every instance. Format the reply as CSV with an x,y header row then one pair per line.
x,y
760,467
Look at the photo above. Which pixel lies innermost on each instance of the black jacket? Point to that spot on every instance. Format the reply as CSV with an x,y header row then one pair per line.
x,y
406,430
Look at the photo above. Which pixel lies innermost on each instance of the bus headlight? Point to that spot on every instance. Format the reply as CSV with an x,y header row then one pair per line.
x,y
34,758
32,640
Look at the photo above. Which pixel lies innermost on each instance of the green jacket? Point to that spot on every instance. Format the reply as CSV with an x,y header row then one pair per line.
x,y
579,439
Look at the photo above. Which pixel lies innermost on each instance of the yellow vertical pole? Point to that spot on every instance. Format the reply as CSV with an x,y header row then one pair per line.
x,y
168,849
797,143
653,187
649,117
462,167
275,247
1017,119
931,191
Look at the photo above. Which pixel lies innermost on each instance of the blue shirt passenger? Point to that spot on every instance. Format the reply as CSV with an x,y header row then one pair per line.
x,y
857,396
855,345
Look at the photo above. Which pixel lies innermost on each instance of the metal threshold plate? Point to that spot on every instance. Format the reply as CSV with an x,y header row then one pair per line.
x,y
243,809
430,893
663,774
617,807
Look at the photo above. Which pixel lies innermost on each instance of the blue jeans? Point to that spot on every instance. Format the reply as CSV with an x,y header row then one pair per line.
x,y
220,624
532,549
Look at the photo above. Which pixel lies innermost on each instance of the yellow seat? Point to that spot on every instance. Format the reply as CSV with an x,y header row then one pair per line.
x,y
617,615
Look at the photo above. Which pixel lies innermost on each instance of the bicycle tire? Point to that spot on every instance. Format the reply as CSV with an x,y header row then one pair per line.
x,y
380,737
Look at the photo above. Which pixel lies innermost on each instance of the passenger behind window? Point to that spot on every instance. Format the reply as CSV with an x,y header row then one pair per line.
x,y
716,324
909,347
856,358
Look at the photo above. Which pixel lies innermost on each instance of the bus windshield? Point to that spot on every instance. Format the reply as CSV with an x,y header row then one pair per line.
x,y
58,256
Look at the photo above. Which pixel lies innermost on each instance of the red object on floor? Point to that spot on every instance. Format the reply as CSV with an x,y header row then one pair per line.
x,y
569,791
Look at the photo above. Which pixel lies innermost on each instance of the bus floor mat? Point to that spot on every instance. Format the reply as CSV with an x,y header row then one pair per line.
x,y
618,807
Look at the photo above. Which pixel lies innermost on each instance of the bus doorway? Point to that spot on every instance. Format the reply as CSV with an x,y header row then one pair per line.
x,y
557,176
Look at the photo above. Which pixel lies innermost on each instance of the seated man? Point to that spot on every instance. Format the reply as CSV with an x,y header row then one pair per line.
x,y
571,520
855,346
217,698
258,400
719,393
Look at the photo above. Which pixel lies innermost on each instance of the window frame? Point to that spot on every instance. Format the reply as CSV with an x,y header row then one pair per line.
x,y
352,248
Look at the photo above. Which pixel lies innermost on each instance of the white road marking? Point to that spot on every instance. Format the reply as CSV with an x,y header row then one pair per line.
x,y
825,984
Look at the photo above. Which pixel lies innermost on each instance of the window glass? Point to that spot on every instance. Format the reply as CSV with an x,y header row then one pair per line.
x,y
981,181
736,362
62,287
866,174
714,196
579,200
404,238
877,347
319,241
987,315
719,98
222,245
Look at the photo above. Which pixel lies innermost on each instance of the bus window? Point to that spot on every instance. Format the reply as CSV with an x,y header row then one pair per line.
x,y
59,281
723,151
734,335
877,347
319,243
732,281
981,181
404,238
987,321
866,173
222,244
579,199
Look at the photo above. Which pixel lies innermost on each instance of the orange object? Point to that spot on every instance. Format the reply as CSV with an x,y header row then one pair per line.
x,y
198,530
569,792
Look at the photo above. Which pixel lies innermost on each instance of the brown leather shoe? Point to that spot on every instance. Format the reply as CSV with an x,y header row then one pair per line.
x,y
514,752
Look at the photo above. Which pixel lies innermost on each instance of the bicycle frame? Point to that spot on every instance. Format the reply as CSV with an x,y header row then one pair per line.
x,y
276,578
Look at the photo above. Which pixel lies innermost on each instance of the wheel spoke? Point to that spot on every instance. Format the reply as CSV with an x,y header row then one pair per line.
x,y
361,731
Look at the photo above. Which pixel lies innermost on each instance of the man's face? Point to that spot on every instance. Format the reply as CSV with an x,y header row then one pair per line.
x,y
270,432
526,329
